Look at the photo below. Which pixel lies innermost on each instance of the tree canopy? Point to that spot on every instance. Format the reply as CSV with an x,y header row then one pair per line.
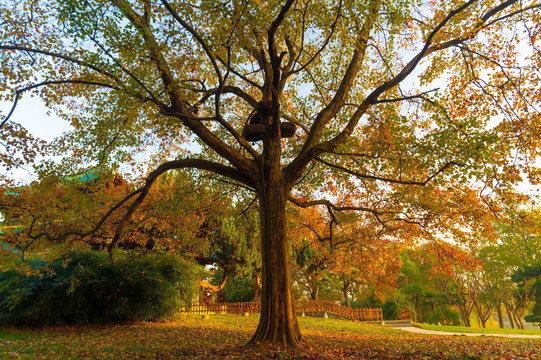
x,y
419,114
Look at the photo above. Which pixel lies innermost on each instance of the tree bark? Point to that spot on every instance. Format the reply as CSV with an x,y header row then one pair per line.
x,y
500,315
345,291
465,317
510,318
518,320
314,293
257,286
278,320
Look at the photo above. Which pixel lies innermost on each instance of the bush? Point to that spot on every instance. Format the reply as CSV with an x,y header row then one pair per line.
x,y
534,319
448,317
391,310
84,287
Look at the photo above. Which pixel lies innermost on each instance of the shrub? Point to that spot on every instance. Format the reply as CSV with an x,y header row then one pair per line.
x,y
85,287
445,316
391,310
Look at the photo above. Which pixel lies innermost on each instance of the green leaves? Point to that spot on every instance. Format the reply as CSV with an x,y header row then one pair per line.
x,y
85,287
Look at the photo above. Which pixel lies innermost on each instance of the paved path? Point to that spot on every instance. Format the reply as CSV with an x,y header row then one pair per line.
x,y
417,330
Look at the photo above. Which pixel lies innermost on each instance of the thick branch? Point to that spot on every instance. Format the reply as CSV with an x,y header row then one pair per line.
x,y
339,99
175,164
198,37
312,150
178,108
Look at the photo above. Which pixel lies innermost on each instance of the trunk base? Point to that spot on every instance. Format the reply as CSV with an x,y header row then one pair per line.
x,y
278,331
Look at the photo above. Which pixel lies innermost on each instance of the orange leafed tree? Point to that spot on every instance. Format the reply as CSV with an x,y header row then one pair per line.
x,y
373,106
171,218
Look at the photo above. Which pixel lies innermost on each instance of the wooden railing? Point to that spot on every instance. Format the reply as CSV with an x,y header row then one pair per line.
x,y
404,314
308,307
225,308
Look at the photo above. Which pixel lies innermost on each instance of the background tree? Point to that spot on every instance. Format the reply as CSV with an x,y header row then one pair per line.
x,y
311,241
419,290
516,248
533,272
234,245
135,77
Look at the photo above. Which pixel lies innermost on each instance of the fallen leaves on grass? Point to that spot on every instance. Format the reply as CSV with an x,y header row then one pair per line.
x,y
225,336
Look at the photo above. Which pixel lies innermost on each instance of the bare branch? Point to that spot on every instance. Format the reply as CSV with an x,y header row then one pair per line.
x,y
325,43
178,107
51,82
417,96
392,181
331,205
325,115
311,149
61,56
198,37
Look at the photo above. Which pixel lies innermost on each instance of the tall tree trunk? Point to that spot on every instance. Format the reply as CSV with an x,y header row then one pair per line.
x,y
465,315
500,315
278,320
510,318
518,320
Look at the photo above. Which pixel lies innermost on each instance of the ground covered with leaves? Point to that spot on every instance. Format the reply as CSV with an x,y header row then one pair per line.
x,y
224,337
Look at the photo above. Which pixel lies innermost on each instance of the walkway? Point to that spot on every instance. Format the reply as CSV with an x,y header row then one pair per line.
x,y
417,330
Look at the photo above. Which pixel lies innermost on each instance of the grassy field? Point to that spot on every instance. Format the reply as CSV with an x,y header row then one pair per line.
x,y
223,337
479,330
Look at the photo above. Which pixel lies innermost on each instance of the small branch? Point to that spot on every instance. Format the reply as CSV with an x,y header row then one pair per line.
x,y
421,96
60,56
393,181
244,78
198,37
329,204
325,43
51,82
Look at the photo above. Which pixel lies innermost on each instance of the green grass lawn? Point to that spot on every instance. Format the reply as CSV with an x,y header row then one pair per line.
x,y
223,337
479,330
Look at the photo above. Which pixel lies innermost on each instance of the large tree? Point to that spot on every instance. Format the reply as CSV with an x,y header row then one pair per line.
x,y
357,79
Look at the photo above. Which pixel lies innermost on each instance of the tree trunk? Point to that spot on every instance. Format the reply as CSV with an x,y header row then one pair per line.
x,y
418,316
465,317
345,291
257,285
466,320
500,315
483,314
518,320
510,318
278,320
314,293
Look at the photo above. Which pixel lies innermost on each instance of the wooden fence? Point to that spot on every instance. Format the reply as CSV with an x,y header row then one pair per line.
x,y
308,307
404,314
225,308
